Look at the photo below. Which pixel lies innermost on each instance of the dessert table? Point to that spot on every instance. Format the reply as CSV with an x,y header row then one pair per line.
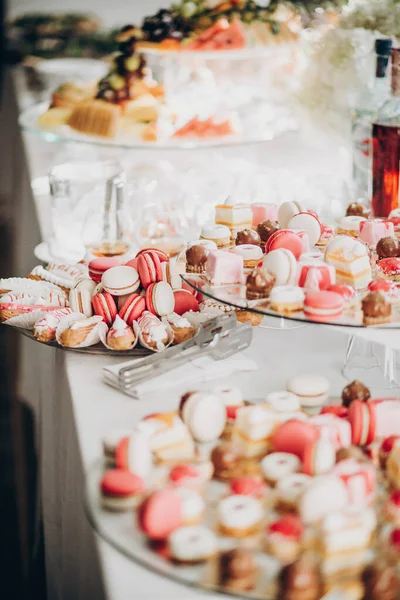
x,y
74,409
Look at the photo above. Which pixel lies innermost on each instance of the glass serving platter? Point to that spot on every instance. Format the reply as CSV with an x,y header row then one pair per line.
x,y
235,297
275,121
121,531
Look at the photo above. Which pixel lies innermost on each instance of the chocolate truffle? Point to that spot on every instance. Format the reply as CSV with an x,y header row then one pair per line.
x,y
247,236
196,258
388,247
259,283
301,580
356,209
237,569
376,309
353,452
265,229
381,581
226,459
355,391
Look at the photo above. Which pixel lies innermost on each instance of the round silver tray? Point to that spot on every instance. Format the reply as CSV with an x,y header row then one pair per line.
x,y
235,297
136,352
121,531
281,123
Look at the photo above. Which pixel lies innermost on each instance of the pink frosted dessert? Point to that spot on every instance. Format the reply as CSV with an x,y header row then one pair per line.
x,y
373,230
337,429
387,416
224,267
316,275
359,479
264,212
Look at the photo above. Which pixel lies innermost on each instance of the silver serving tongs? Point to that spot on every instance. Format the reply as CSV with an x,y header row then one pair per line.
x,y
221,337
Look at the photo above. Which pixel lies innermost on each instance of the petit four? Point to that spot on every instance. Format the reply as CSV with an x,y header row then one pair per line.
x,y
284,402
171,441
286,239
181,328
263,212
196,258
237,570
45,329
373,230
120,336
219,234
186,302
229,462
351,261
250,253
355,390
326,235
312,390
350,226
253,428
287,210
153,333
356,209
278,465
323,306
247,237
336,428
204,414
192,544
316,275
387,288
104,305
80,297
282,264
239,516
259,284
248,486
309,223
376,309
224,267
324,495
160,299
120,280
283,538
290,489
121,490
265,229
300,580
188,476
389,268
286,299
359,479
160,514
236,217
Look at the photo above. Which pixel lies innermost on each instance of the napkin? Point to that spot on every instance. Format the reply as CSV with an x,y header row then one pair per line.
x,y
203,368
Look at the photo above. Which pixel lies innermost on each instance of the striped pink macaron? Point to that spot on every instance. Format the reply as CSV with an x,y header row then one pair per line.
x,y
132,308
104,305
323,306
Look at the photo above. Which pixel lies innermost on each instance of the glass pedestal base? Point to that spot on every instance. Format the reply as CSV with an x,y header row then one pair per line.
x,y
374,364
274,323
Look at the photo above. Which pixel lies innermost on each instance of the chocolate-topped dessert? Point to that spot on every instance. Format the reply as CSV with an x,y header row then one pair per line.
x,y
226,458
237,569
376,309
355,391
300,580
265,229
353,452
381,581
196,258
388,247
247,236
356,209
259,283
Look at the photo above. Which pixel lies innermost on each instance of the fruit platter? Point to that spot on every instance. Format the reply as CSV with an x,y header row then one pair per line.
x,y
292,496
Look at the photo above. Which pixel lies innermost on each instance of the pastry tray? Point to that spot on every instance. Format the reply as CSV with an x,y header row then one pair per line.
x,y
97,349
281,123
234,296
121,532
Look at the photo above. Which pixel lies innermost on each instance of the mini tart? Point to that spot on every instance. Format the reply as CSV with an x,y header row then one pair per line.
x,y
239,516
259,284
250,253
286,299
388,268
181,328
376,309
192,544
120,336
350,225
219,234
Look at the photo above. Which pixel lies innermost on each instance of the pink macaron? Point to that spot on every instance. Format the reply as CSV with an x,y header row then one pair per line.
x,y
160,299
285,238
323,306
149,268
98,266
132,308
120,483
104,305
160,514
293,436
132,263
185,301
188,288
163,256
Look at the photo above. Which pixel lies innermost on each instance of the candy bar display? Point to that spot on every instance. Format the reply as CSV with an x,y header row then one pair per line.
x,y
295,266
263,500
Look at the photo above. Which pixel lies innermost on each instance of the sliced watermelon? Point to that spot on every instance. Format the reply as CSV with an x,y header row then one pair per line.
x,y
221,36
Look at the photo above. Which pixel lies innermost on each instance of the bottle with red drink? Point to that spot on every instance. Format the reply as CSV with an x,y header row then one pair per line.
x,y
386,148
